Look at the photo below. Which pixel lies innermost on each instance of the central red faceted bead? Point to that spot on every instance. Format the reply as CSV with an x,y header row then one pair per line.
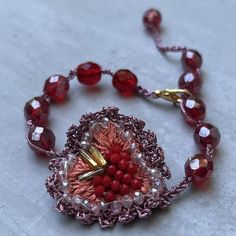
x,y
152,19
192,59
125,81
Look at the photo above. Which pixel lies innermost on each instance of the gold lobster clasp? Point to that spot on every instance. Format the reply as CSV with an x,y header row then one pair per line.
x,y
172,95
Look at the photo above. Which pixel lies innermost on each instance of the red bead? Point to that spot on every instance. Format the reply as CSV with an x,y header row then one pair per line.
x,y
152,20
207,134
89,73
193,109
126,156
116,148
125,82
115,158
56,87
99,191
106,182
115,185
123,165
37,110
126,178
191,81
119,175
192,59
110,196
132,168
111,170
199,167
42,138
108,154
136,184
124,189
97,180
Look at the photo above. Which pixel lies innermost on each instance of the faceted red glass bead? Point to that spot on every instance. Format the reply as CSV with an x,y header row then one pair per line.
x,y
125,81
56,87
192,81
42,138
193,109
89,73
207,134
152,19
199,167
192,59
37,110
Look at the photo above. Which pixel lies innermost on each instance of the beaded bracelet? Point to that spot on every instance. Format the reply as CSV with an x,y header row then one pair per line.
x,y
111,168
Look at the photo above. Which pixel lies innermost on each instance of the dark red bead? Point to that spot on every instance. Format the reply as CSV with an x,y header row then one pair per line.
x,y
126,178
192,59
193,109
115,158
110,196
115,185
124,189
89,73
136,184
152,20
97,180
192,81
116,148
37,110
56,87
123,165
126,156
199,167
106,182
207,134
111,170
132,168
99,191
119,175
125,81
42,138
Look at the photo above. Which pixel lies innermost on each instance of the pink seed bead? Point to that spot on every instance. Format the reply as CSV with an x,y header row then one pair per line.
x,y
56,88
192,81
192,59
42,138
199,167
37,110
193,109
207,134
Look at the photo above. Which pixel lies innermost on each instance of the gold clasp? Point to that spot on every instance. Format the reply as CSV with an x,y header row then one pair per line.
x,y
172,95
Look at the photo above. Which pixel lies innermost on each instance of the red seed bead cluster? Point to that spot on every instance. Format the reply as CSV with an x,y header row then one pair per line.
x,y
200,166
119,177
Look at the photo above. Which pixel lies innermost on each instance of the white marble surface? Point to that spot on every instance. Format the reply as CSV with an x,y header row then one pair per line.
x,y
42,37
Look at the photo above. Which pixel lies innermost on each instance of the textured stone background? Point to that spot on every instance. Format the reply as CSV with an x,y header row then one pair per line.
x,y
42,37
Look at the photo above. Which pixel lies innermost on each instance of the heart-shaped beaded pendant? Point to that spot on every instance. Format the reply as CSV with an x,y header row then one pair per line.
x,y
111,170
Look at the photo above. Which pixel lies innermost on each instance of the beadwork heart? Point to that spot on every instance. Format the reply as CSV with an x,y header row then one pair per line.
x,y
111,170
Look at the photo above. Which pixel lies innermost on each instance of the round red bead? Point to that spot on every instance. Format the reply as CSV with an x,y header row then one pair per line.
x,y
106,182
115,185
111,170
125,82
132,168
123,165
42,138
99,191
124,189
119,175
136,184
97,180
115,158
110,196
37,110
191,81
193,109
89,73
126,156
126,178
56,87
152,19
191,59
207,134
199,167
